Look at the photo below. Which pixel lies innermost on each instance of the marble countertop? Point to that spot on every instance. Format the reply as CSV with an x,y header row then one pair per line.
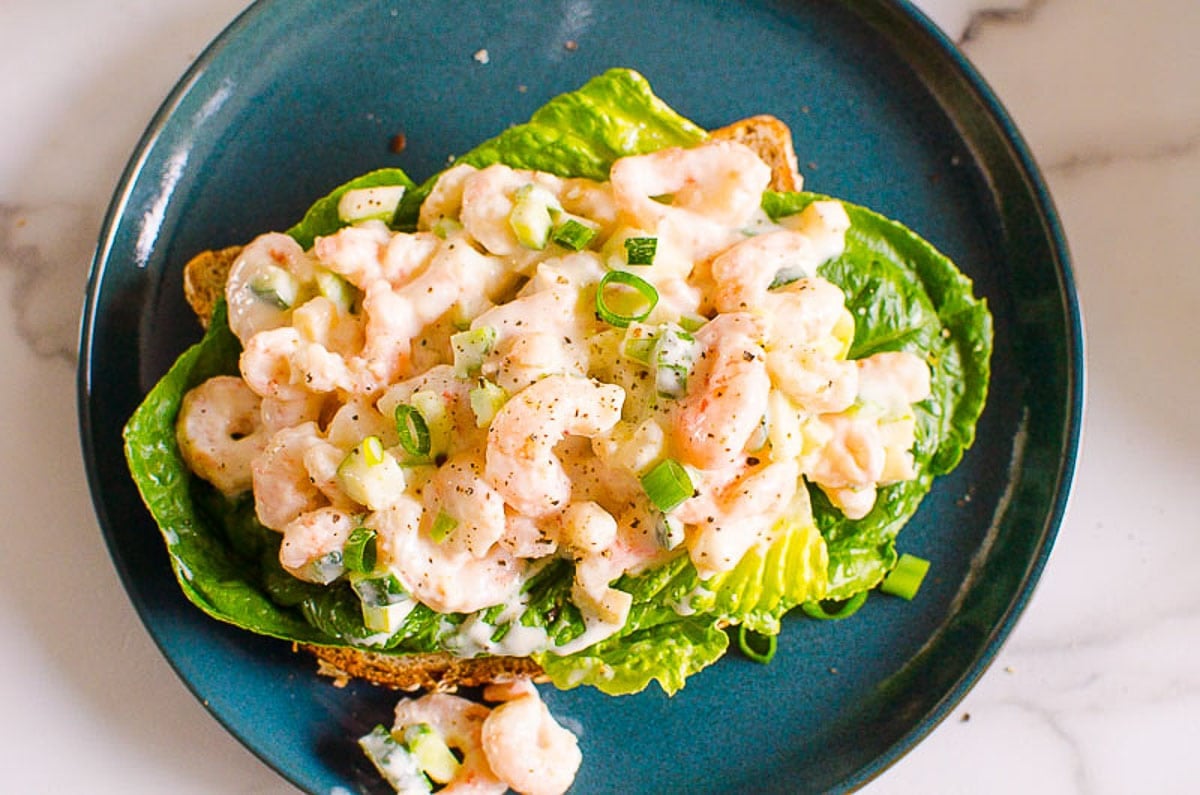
x,y
1096,691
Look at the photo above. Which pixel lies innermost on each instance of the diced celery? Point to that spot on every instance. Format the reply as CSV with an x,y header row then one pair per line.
x,y
385,602
486,399
532,215
366,204
668,531
674,352
326,568
370,475
470,349
432,753
343,294
395,763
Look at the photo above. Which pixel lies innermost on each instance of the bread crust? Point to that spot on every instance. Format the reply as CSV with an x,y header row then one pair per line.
x,y
204,285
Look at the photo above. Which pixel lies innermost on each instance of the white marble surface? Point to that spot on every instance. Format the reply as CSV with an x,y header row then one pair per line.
x,y
1097,690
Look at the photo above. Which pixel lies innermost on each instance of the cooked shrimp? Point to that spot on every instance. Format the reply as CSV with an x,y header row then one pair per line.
x,y
528,749
460,723
727,392
457,276
487,204
445,200
743,273
521,462
283,488
815,382
893,380
220,432
714,189
436,574
459,490
279,363
267,258
287,412
854,454
312,537
521,359
730,520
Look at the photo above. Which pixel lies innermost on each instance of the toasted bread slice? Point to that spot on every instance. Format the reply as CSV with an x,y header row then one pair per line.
x,y
435,672
204,285
204,280
771,140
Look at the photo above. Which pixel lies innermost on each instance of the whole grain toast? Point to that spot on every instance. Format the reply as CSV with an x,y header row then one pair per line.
x,y
204,286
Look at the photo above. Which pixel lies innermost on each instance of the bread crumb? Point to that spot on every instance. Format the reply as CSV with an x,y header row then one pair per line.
x,y
521,89
571,45
398,142
482,56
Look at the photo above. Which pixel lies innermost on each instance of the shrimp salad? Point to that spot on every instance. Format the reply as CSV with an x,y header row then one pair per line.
x,y
547,406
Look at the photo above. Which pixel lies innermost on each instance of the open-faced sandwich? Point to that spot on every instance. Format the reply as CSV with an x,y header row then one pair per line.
x,y
605,390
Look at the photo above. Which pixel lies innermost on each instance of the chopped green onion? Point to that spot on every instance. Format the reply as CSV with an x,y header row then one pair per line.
x,y
640,250
691,322
609,314
905,579
829,610
638,342
372,451
574,234
361,550
667,484
443,526
756,645
413,430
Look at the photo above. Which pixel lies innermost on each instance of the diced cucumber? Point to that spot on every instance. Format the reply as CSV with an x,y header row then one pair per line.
x,y
366,204
674,352
432,753
343,294
470,349
326,568
486,399
385,602
395,763
532,216
638,343
370,475
275,285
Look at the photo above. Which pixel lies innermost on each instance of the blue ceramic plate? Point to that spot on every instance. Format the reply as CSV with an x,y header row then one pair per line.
x,y
299,95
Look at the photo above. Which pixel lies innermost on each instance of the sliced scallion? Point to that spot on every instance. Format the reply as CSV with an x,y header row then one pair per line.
x,y
413,430
640,250
667,484
372,451
756,645
905,579
606,298
830,610
573,234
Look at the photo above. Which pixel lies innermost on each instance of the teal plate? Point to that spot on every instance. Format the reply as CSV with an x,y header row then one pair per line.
x,y
298,95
